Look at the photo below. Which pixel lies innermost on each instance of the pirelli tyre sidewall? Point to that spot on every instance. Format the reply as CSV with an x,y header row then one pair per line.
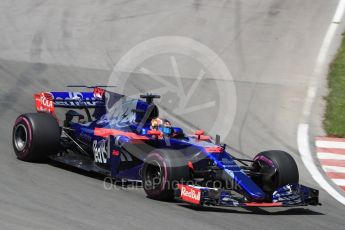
x,y
280,168
172,167
35,135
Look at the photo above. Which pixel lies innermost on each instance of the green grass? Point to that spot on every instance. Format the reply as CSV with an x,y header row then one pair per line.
x,y
334,122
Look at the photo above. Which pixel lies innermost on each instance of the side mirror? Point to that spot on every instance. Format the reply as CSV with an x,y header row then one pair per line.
x,y
200,135
199,132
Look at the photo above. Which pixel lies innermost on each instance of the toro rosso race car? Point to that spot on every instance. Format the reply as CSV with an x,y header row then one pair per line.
x,y
124,138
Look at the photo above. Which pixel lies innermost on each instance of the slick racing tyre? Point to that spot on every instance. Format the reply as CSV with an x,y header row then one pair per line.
x,y
35,135
162,170
275,169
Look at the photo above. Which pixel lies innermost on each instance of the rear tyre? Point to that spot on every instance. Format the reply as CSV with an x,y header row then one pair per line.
x,y
162,170
35,135
277,168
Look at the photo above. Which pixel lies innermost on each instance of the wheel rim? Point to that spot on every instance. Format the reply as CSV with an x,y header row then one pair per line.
x,y
20,137
153,176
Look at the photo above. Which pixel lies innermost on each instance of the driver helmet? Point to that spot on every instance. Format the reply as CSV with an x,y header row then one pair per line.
x,y
162,125
156,123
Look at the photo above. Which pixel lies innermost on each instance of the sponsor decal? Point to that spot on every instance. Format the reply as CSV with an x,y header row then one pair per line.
x,y
75,99
215,149
190,194
44,102
116,152
98,93
99,151
105,132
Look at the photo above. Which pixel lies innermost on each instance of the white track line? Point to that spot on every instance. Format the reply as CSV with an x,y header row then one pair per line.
x,y
330,144
330,156
303,127
333,169
340,182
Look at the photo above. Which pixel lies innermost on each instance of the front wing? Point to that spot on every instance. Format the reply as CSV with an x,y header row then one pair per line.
x,y
287,196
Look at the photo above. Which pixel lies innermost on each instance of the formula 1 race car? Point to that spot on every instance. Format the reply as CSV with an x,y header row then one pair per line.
x,y
124,138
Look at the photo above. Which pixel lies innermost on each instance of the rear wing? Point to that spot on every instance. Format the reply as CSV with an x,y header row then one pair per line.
x,y
48,101
77,99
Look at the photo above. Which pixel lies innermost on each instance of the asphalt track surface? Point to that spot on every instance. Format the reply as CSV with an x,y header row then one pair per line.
x,y
269,46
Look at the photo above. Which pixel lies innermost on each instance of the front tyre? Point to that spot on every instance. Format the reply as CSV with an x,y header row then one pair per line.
x,y
35,135
276,168
162,170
